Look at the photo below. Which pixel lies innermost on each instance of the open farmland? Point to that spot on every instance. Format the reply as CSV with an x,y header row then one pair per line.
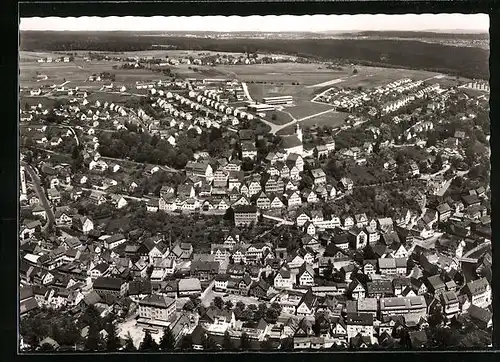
x,y
78,72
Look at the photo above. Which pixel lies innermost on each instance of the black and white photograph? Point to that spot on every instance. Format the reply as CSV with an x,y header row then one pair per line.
x,y
271,183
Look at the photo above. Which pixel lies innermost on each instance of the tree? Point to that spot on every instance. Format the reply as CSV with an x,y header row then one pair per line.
x,y
112,340
208,343
355,71
129,344
91,317
287,344
187,343
218,302
46,347
227,343
266,345
148,343
229,305
94,340
167,342
244,342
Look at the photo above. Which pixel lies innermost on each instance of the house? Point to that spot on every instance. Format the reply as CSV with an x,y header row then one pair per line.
x,y
319,176
307,306
189,286
385,225
110,286
369,267
415,307
478,292
379,288
481,316
387,266
444,212
245,215
156,308
204,270
450,303
361,220
356,289
435,285
82,224
358,238
305,276
119,201
359,323
114,241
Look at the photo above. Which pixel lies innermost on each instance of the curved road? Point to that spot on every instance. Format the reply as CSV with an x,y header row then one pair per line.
x,y
40,192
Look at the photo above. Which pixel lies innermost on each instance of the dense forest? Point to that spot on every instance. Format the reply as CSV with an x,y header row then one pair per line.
x,y
464,61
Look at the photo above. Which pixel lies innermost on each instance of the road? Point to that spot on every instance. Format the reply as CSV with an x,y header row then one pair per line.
x,y
40,192
277,127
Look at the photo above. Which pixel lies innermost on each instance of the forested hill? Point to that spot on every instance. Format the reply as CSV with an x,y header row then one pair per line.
x,y
469,62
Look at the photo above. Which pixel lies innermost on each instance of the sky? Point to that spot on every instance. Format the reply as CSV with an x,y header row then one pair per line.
x,y
269,23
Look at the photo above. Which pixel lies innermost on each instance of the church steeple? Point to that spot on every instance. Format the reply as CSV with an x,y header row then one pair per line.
x,y
298,132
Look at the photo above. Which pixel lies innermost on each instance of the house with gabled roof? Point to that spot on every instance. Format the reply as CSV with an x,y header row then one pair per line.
x,y
305,276
358,238
307,305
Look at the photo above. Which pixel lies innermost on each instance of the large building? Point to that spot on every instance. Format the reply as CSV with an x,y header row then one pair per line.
x,y
257,108
409,306
156,307
245,215
280,100
293,143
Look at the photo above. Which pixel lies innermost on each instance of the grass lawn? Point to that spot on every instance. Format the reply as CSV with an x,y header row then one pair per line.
x,y
333,119
306,108
33,101
109,97
281,117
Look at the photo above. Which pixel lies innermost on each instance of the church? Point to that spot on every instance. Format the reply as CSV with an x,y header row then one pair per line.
x,y
293,143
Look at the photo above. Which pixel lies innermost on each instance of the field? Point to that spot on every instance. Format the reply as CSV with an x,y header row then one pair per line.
x,y
78,72
332,119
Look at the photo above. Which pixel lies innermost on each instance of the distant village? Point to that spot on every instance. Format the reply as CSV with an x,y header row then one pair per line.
x,y
376,233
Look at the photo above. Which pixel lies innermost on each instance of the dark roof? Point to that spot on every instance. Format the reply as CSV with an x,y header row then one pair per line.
x,y
482,314
359,319
107,283
205,266
156,300
418,338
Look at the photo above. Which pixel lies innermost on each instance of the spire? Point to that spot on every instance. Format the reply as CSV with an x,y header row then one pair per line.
x,y
298,132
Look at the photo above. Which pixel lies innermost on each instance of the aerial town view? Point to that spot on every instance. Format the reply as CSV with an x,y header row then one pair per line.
x,y
187,186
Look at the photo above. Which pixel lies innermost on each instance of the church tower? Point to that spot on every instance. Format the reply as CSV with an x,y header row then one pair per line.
x,y
298,132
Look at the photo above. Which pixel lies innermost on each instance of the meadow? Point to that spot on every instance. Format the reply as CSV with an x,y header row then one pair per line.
x,y
332,119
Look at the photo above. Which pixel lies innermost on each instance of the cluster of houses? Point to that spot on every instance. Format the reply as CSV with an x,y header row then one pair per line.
x,y
350,280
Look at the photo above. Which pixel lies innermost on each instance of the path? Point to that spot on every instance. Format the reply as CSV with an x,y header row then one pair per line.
x,y
247,93
276,127
40,192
